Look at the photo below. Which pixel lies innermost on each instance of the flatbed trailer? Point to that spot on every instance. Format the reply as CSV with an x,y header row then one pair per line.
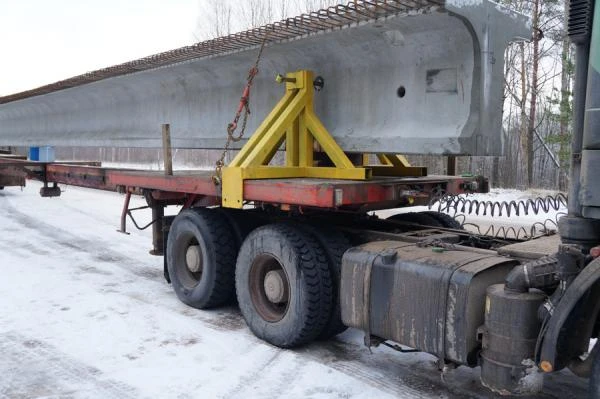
x,y
379,193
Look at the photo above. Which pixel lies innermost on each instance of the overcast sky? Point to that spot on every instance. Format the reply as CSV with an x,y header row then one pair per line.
x,y
42,41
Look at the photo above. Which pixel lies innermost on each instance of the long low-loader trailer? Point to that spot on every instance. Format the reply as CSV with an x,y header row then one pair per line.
x,y
291,236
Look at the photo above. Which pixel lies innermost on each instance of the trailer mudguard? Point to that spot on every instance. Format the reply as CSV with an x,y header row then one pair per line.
x,y
551,358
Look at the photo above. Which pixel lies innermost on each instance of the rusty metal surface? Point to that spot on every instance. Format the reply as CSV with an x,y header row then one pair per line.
x,y
11,178
377,193
427,300
447,56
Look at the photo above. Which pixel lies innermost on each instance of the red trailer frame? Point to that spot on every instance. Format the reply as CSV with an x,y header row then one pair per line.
x,y
376,193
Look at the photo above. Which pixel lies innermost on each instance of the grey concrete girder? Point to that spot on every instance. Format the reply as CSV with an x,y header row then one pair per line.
x,y
449,62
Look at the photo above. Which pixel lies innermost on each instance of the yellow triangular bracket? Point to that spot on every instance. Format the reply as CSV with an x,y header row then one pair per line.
x,y
294,122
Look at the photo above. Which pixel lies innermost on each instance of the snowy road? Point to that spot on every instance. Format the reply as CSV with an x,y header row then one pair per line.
x,y
85,313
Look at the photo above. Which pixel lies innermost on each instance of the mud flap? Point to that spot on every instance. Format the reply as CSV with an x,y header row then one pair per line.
x,y
167,220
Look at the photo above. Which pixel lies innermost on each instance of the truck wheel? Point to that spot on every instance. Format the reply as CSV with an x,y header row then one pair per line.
x,y
283,285
201,252
334,243
595,377
241,221
446,220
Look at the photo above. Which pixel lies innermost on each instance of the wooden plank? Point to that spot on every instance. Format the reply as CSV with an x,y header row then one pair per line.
x,y
167,153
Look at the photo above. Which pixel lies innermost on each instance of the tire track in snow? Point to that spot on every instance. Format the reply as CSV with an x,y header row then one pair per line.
x,y
32,368
259,370
98,249
357,369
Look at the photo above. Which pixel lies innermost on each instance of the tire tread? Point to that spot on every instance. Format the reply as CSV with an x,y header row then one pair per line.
x,y
226,251
314,269
334,243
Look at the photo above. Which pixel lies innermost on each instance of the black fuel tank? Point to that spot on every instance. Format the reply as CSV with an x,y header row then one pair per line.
x,y
431,300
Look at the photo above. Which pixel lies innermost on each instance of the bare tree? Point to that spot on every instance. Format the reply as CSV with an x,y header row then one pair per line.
x,y
222,17
215,19
534,71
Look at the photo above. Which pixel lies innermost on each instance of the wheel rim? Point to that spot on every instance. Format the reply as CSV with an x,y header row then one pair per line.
x,y
193,259
269,288
189,254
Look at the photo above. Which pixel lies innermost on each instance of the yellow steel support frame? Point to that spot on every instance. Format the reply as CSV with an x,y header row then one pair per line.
x,y
396,165
294,122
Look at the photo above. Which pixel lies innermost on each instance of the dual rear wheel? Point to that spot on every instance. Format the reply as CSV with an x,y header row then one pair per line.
x,y
286,278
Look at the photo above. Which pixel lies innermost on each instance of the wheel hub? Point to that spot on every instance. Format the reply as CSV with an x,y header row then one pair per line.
x,y
193,258
276,288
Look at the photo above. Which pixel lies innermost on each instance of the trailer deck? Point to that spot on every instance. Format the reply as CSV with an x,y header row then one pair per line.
x,y
376,193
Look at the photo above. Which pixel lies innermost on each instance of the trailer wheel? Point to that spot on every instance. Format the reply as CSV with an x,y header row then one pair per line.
x,y
446,220
334,243
283,285
201,253
595,377
241,221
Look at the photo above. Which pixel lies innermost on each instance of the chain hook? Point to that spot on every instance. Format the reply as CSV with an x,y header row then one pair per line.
x,y
243,107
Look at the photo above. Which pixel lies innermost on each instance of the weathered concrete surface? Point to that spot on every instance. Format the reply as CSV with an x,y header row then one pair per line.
x,y
426,81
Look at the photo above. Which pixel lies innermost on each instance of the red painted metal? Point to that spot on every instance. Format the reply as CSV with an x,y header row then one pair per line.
x,y
192,186
195,182
124,213
190,201
168,196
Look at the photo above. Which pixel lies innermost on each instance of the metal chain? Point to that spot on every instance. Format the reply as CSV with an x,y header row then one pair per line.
x,y
244,107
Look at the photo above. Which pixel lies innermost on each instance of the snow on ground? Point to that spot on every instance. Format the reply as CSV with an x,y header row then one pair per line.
x,y
85,313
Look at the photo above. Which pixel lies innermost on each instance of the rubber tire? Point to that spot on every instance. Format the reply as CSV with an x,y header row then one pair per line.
x,y
307,271
595,377
418,218
241,221
214,234
334,243
446,220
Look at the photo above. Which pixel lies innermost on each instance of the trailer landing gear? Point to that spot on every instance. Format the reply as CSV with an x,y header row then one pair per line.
x,y
47,191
